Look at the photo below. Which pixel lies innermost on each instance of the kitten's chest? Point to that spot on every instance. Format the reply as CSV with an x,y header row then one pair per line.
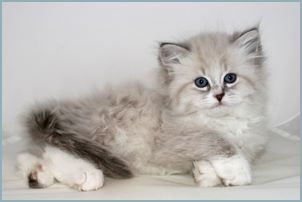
x,y
234,126
234,129
242,132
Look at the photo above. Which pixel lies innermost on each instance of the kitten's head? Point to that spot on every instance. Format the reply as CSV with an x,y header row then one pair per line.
x,y
213,72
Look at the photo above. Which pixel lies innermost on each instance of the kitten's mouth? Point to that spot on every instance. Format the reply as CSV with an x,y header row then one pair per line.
x,y
218,105
218,110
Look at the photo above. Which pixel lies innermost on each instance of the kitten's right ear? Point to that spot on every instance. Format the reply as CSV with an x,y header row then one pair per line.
x,y
171,53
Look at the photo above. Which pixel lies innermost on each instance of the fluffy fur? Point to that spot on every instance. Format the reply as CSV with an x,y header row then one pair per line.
x,y
135,130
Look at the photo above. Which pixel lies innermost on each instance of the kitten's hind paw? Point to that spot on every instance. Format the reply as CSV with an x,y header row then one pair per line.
x,y
205,175
40,177
34,171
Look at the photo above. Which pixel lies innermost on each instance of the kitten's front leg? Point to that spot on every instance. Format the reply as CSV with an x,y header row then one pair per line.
x,y
222,163
231,171
205,175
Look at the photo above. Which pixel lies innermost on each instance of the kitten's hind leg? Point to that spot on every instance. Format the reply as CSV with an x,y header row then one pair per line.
x,y
57,165
35,170
73,172
40,177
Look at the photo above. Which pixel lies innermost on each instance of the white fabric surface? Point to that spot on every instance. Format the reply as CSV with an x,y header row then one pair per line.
x,y
276,176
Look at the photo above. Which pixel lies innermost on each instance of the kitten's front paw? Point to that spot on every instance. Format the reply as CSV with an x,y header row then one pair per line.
x,y
90,181
205,175
233,171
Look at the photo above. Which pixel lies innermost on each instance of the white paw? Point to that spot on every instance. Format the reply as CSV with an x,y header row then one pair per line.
x,y
72,171
34,170
90,180
40,177
205,175
25,164
233,171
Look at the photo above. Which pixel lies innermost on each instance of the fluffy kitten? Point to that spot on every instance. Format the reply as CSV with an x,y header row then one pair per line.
x,y
206,117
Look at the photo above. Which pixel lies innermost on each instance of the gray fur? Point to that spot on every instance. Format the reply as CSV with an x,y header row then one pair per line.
x,y
250,39
44,125
133,130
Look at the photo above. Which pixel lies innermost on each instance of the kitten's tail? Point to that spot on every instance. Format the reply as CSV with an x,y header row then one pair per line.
x,y
44,125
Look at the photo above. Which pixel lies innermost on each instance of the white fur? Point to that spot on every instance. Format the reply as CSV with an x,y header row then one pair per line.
x,y
234,170
153,130
240,129
28,164
205,175
65,168
25,164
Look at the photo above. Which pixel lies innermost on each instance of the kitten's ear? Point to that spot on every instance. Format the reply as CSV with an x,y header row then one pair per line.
x,y
249,40
171,53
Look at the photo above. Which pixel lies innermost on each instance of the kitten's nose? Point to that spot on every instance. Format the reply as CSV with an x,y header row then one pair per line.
x,y
219,96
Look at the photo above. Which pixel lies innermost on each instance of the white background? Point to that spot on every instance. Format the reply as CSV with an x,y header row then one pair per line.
x,y
53,50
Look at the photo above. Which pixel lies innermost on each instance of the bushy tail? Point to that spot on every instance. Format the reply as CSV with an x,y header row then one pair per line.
x,y
44,125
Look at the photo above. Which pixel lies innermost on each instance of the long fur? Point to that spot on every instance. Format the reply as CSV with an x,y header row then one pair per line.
x,y
132,129
44,125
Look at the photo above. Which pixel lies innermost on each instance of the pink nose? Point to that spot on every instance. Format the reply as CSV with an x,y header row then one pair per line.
x,y
219,96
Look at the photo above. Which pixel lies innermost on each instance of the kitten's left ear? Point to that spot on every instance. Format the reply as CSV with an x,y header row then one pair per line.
x,y
172,53
249,40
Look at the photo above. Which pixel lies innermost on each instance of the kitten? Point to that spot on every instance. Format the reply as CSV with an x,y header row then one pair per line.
x,y
205,117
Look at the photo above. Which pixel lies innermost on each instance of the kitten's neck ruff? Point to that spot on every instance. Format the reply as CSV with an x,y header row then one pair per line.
x,y
235,120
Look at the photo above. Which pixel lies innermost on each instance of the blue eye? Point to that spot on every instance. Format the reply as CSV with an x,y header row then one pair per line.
x,y
201,82
230,78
